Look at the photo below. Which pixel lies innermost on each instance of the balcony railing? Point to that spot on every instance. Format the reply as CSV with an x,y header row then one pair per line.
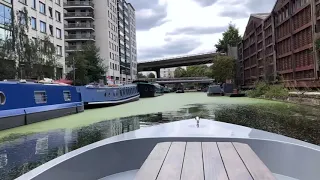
x,y
73,48
79,14
79,3
79,25
79,36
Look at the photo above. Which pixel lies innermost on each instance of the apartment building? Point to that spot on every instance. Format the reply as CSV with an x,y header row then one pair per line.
x,y
288,48
110,24
132,42
46,20
167,72
127,41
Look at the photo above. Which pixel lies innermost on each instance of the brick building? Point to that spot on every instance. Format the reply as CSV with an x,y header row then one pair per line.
x,y
288,49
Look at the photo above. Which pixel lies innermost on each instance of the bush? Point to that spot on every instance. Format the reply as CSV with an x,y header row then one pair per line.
x,y
263,89
260,89
277,91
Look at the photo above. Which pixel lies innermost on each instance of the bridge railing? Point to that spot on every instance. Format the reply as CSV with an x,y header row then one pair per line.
x,y
176,57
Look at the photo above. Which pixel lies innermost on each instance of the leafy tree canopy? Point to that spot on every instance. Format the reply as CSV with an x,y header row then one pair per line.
x,y
22,56
88,64
223,68
229,37
193,71
180,72
140,75
151,75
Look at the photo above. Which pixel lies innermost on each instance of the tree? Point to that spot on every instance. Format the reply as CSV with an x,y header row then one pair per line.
x,y
229,37
140,75
7,65
223,68
151,75
23,56
89,65
180,72
197,71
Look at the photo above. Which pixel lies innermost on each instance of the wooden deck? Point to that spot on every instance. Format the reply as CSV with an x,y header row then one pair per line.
x,y
203,161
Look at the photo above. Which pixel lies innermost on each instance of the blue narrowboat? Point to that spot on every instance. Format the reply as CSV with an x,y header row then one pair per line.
x,y
117,94
26,103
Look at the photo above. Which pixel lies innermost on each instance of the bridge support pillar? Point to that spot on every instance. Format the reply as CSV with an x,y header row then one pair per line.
x,y
158,72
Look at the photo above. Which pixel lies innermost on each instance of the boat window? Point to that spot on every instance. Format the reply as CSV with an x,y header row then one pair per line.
x,y
40,97
2,98
121,92
67,95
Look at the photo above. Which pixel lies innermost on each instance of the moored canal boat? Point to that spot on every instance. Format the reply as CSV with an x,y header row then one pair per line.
x,y
113,94
28,102
147,89
285,157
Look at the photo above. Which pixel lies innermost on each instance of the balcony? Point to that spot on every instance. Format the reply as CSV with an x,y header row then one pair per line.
x,y
71,26
73,48
78,15
78,4
79,37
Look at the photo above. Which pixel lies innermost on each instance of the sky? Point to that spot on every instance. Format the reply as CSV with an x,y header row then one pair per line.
x,y
169,28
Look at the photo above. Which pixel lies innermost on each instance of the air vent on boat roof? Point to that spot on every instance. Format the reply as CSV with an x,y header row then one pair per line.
x,y
2,98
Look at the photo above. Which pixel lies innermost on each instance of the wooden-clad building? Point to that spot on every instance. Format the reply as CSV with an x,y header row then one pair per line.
x,y
288,49
251,50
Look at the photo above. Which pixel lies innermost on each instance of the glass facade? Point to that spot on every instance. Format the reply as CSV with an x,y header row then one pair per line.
x,y
5,15
5,20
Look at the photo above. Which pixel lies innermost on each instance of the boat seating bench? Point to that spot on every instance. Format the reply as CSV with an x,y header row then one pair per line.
x,y
203,161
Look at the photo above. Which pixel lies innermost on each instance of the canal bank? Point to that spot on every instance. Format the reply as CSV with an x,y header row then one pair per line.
x,y
168,102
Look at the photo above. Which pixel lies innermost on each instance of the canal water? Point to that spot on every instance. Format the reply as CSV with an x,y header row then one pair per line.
x,y
25,148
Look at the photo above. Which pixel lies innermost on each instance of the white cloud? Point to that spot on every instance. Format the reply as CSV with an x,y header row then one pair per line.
x,y
185,14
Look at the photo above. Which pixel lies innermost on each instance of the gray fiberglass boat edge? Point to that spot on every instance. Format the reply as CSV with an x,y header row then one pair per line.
x,y
283,155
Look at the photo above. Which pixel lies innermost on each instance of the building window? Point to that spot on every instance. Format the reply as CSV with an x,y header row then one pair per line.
x,y
58,33
67,95
5,15
22,18
34,4
59,50
43,27
40,97
50,12
42,7
58,16
33,23
51,30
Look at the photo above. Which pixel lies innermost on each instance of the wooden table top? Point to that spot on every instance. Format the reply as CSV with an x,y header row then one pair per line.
x,y
203,161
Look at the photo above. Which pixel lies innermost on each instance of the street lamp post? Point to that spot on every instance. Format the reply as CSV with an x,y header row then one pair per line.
x,y
74,71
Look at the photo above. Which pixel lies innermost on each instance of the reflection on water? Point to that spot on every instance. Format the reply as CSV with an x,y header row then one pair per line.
x,y
22,153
